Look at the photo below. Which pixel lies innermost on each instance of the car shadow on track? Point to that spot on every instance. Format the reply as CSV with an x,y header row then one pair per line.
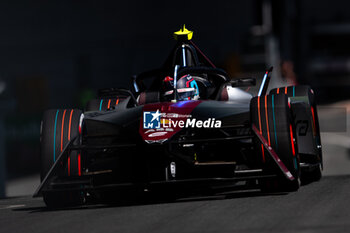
x,y
150,199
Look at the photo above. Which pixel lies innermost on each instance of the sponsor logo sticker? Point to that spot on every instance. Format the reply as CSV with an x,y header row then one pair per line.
x,y
166,121
151,120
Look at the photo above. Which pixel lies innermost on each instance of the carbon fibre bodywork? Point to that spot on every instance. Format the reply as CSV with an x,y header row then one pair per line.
x,y
194,142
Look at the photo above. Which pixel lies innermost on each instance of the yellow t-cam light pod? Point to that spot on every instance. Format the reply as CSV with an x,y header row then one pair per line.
x,y
183,34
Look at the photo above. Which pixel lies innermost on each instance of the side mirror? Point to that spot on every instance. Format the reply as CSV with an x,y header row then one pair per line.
x,y
243,82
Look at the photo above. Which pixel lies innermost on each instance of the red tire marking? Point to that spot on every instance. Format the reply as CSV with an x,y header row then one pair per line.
x,y
267,121
263,152
68,165
313,120
285,90
70,123
262,147
278,90
117,102
64,113
273,154
79,165
109,103
292,138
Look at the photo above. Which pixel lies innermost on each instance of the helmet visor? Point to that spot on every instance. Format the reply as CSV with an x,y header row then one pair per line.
x,y
186,93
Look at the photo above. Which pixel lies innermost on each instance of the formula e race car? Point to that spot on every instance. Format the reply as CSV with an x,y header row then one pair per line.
x,y
184,126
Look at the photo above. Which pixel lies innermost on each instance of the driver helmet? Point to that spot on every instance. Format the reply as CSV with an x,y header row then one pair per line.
x,y
187,88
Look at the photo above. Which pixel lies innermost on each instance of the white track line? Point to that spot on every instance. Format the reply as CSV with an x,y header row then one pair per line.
x,y
11,207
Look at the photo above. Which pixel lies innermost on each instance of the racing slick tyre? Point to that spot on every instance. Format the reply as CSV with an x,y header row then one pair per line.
x,y
305,94
271,115
101,104
58,127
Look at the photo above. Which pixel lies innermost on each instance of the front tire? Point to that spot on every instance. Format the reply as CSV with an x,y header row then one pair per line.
x,y
306,95
271,114
57,129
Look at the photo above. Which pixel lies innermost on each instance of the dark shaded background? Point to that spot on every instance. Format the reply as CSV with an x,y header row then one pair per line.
x,y
56,54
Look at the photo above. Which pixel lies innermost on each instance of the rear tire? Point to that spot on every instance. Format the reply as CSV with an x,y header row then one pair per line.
x,y
58,127
101,104
271,115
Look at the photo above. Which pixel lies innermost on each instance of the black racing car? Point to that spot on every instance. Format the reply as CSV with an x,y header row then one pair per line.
x,y
184,126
